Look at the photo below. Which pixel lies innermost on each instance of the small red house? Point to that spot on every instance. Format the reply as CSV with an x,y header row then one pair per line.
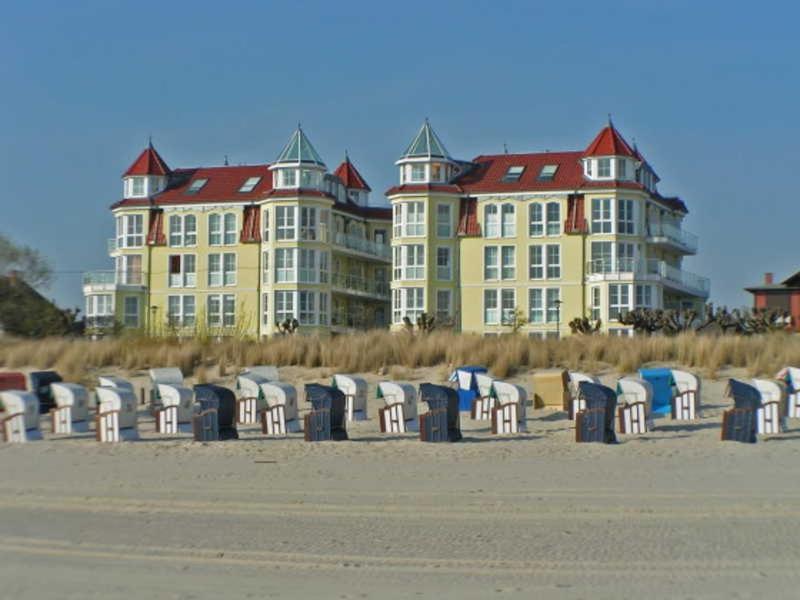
x,y
783,296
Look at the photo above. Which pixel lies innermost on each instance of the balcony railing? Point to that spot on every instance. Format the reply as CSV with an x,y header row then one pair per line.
x,y
113,278
675,235
359,284
356,320
364,245
111,244
668,274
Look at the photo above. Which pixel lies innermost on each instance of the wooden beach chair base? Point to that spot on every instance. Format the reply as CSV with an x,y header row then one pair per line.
x,y
433,426
684,406
392,418
769,419
205,426
739,425
505,419
632,418
14,428
317,426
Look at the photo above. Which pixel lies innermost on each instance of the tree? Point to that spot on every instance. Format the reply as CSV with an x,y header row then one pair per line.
x,y
32,267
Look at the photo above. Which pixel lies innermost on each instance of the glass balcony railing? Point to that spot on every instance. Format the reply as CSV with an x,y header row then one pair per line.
x,y
111,244
360,244
113,278
667,273
675,235
357,284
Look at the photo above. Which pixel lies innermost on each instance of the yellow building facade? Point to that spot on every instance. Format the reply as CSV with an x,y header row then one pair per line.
x,y
537,239
244,250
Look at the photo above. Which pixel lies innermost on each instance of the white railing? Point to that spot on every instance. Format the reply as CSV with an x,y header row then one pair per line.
x,y
113,278
674,234
667,273
364,245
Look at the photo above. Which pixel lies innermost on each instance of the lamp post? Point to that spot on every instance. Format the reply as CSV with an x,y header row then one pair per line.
x,y
558,304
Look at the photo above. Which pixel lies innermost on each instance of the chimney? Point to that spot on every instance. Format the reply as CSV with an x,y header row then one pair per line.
x,y
768,278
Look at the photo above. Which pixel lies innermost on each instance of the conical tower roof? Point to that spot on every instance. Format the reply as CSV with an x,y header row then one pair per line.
x,y
609,142
350,176
149,162
298,150
426,144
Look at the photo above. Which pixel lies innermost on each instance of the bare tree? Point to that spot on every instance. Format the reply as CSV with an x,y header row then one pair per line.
x,y
30,265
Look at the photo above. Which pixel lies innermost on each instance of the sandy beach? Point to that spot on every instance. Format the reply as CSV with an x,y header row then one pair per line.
x,y
674,513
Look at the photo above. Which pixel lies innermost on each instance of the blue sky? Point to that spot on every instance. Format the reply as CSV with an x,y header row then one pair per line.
x,y
709,91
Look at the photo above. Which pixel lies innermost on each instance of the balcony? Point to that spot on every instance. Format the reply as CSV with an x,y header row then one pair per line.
x,y
664,234
362,246
358,286
343,320
630,269
109,280
111,245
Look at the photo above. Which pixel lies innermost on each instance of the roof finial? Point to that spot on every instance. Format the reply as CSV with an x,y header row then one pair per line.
x,y
505,148
299,126
226,160
150,141
610,122
346,156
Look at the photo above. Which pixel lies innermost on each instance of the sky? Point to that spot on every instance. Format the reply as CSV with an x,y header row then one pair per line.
x,y
708,90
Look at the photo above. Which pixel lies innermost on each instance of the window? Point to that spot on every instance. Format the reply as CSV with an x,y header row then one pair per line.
x,y
414,213
249,185
137,186
309,179
508,220
536,220
214,270
182,230
221,310
553,218
491,221
491,268
553,261
265,267
417,172
544,305
308,266
508,260
491,314
307,314
323,308
182,270
284,306
444,226
602,257
547,173
436,172
604,167
644,296
130,231
380,236
535,262
621,168
443,304
626,257
180,311
214,230
286,222
265,212
308,223
230,229
265,309
397,262
444,268
601,215
553,298
407,302
595,303
618,300
197,185
99,305
588,164
397,220
625,220
536,305
413,261
129,269
229,268
323,267
130,312
513,174
285,270
287,178
508,305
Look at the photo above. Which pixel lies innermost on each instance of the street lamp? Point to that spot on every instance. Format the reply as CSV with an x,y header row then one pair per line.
x,y
558,304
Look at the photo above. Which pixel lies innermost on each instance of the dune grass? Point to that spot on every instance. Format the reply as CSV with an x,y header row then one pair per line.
x,y
395,354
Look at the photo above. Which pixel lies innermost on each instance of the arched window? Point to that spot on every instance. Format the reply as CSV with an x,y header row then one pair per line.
x,y
230,229
509,221
536,220
553,218
491,221
214,229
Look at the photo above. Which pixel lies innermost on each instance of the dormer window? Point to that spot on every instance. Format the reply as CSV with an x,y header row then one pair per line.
x,y
603,167
288,178
249,185
197,185
417,172
137,186
436,172
547,173
513,174
309,179
622,168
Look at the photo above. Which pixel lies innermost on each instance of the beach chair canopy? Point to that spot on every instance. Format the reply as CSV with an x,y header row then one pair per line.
x,y
171,375
443,397
249,385
206,394
551,388
508,393
744,395
484,382
350,385
404,393
663,389
328,397
279,393
12,380
267,372
40,385
790,375
575,377
770,390
634,389
16,402
467,384
72,395
114,381
118,399
685,381
176,395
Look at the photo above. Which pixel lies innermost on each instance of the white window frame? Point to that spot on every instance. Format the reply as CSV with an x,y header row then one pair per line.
x,y
491,263
444,220
595,303
536,261
553,261
184,317
229,263
215,229
307,307
230,229
491,221
643,296
265,223
308,223
413,218
100,305
285,305
130,231
536,219
130,318
308,266
185,277
182,231
604,168
286,265
407,302
444,263
508,220
626,220
129,269
413,256
602,215
553,221
617,300
286,223
508,266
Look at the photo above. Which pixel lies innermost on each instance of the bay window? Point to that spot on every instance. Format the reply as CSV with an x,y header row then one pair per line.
x,y
413,256
284,306
307,312
619,300
130,231
285,265
286,223
625,219
308,223
407,302
601,215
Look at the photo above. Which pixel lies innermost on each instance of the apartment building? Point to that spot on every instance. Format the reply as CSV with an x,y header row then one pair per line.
x,y
236,250
528,242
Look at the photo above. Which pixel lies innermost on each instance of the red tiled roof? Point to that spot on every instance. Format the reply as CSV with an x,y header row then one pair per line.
x,y
149,162
416,188
222,186
350,176
487,175
609,142
468,218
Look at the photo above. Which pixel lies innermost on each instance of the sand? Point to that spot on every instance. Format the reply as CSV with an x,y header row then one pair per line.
x,y
671,514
